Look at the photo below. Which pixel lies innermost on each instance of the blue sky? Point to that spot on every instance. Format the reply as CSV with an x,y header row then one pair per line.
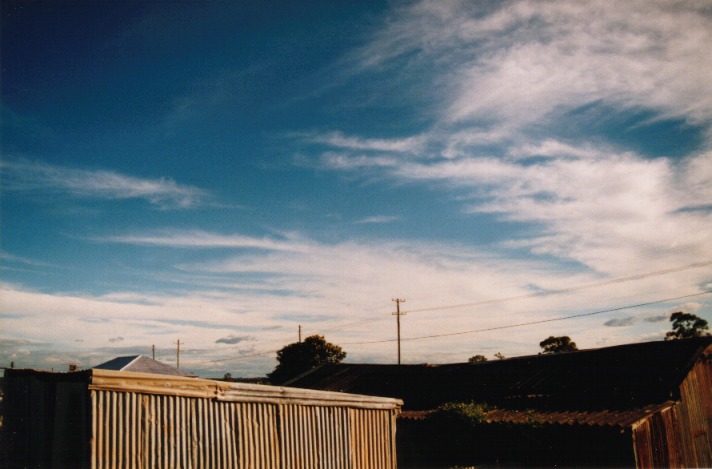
x,y
221,174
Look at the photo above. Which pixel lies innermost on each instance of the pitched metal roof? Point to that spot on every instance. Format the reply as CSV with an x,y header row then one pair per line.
x,y
601,418
612,379
141,364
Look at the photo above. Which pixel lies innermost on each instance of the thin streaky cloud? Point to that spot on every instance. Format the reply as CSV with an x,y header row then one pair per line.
x,y
202,239
6,257
376,219
342,161
518,63
339,140
101,184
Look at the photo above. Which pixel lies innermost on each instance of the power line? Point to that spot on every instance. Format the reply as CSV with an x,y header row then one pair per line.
x,y
570,289
510,326
381,317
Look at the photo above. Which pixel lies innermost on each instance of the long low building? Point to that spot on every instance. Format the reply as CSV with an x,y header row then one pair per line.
x,y
646,405
116,419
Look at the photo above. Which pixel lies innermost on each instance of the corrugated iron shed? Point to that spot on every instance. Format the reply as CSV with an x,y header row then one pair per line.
x,y
115,419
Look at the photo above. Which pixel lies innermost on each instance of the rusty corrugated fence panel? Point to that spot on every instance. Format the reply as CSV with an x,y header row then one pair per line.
x,y
122,420
695,414
372,439
246,427
680,436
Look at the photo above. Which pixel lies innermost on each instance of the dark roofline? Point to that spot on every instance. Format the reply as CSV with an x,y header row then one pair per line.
x,y
615,377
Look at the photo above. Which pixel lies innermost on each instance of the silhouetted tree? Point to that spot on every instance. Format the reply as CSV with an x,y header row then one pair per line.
x,y
477,359
686,326
299,357
499,356
558,345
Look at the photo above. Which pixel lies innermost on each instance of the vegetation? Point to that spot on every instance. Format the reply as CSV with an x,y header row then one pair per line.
x,y
477,359
460,414
499,356
558,345
686,326
299,357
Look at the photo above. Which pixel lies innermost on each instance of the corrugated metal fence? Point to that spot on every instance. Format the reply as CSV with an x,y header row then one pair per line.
x,y
682,435
149,421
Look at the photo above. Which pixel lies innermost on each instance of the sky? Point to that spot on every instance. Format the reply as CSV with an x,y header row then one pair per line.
x,y
223,173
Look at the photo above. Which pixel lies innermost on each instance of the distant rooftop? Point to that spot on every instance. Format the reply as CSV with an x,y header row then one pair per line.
x,y
141,364
611,378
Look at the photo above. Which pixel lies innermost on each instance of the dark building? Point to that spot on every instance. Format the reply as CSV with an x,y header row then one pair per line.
x,y
644,405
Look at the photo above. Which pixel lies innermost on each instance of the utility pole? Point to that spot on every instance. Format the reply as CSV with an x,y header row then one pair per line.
x,y
153,351
398,314
300,333
178,355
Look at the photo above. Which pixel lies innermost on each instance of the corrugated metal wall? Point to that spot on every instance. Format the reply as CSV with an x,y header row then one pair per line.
x,y
132,430
46,421
695,415
682,435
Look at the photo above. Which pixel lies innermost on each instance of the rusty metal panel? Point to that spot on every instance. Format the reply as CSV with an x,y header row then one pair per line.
x,y
114,420
680,436
695,414
373,439
132,430
314,437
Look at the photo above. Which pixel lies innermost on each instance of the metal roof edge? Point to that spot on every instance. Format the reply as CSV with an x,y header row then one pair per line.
x,y
245,392
136,358
149,383
660,408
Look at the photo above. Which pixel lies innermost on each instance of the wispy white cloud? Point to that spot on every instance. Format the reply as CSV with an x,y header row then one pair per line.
x,y
40,177
615,203
6,258
206,240
504,78
552,148
520,62
510,76
342,290
376,219
339,140
344,161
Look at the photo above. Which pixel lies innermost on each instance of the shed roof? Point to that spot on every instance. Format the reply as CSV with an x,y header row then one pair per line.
x,y
613,378
600,418
97,379
141,364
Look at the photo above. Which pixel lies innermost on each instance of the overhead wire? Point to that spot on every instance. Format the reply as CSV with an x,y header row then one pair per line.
x,y
570,289
530,323
381,317
531,295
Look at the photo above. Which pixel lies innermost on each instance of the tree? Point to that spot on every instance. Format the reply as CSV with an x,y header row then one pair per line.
x,y
558,345
477,359
299,357
686,326
499,356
